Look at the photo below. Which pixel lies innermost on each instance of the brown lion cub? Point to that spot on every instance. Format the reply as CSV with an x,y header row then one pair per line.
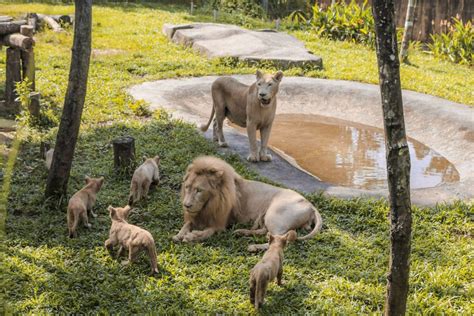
x,y
143,177
269,267
82,202
130,237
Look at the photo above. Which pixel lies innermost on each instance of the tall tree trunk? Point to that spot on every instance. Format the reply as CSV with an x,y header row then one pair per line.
x,y
74,101
407,33
398,157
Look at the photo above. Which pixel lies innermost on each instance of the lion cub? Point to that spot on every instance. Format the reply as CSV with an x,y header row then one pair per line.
x,y
143,177
130,237
82,202
269,267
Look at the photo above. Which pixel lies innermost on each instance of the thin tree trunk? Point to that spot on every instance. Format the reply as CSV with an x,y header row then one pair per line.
x,y
74,101
398,158
407,33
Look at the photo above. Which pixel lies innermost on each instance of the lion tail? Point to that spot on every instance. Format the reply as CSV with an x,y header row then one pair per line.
x,y
318,224
205,127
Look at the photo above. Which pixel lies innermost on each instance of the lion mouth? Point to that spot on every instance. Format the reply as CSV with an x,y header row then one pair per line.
x,y
265,101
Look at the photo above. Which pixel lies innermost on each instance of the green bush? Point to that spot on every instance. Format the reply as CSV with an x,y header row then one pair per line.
x,y
341,21
456,45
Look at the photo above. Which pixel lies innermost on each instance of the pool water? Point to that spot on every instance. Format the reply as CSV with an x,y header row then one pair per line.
x,y
353,155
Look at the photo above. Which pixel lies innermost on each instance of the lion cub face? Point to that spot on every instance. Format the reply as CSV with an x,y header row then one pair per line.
x,y
198,188
267,86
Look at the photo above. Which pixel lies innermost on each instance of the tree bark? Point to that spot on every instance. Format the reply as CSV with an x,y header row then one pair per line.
x,y
74,101
398,158
407,33
13,76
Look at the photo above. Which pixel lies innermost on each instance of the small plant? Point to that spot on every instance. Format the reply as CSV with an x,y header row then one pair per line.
x,y
140,108
457,44
341,21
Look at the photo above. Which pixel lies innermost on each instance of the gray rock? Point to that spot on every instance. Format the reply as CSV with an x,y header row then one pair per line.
x,y
222,40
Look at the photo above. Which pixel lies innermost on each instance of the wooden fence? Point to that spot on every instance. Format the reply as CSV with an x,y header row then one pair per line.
x,y
431,16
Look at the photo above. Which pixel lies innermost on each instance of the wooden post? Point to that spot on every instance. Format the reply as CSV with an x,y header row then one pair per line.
x,y
13,76
26,30
17,40
28,66
34,107
124,153
11,27
68,132
32,19
398,157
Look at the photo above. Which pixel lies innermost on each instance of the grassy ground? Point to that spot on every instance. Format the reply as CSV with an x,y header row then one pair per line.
x,y
341,271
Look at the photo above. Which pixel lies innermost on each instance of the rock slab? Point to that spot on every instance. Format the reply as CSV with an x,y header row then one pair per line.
x,y
222,40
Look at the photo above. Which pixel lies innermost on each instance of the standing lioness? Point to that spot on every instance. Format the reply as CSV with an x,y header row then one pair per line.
x,y
251,106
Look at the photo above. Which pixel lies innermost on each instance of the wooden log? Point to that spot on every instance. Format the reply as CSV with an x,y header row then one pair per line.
x,y
27,30
11,27
17,40
63,19
34,106
51,22
13,75
124,153
28,66
32,19
5,18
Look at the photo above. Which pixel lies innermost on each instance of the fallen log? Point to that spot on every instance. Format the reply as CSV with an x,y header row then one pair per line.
x,y
5,18
51,22
11,27
18,40
63,19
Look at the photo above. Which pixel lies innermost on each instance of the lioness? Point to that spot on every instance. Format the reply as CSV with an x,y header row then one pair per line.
x,y
146,174
215,196
82,202
251,106
269,267
130,237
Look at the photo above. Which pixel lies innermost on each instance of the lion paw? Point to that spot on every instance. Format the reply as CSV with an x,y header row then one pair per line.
x,y
177,238
266,157
240,232
253,158
252,248
189,237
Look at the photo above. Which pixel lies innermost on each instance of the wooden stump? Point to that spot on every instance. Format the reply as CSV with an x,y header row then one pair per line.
x,y
124,153
13,76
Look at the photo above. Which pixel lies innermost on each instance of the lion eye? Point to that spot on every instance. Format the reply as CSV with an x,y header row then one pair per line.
x,y
269,84
198,190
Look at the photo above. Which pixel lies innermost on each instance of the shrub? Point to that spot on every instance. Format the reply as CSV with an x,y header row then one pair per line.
x,y
341,21
456,45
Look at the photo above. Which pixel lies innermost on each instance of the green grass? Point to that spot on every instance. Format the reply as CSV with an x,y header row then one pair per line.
x,y
341,271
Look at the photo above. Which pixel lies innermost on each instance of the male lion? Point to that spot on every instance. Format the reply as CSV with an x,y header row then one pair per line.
x,y
214,196
251,106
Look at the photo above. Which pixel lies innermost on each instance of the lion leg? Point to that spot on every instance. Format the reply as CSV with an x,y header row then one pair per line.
x,y
252,134
265,136
199,235
220,117
251,232
257,248
183,231
214,131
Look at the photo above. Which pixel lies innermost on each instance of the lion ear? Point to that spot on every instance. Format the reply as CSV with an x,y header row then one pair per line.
x,y
218,173
259,75
87,179
278,76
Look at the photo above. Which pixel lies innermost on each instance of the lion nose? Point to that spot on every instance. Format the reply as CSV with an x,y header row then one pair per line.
x,y
187,205
262,94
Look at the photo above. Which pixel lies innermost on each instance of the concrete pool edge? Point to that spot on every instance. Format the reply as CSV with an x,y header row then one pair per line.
x,y
426,116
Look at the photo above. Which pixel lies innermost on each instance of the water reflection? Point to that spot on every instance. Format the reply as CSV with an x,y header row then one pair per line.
x,y
349,154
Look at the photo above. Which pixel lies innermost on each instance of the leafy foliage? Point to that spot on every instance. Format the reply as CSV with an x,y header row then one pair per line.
x,y
457,45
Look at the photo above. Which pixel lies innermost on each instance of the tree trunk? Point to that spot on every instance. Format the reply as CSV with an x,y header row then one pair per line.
x,y
74,101
398,158
13,76
407,33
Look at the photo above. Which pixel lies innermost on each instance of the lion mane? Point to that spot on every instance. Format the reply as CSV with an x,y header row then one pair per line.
x,y
223,205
